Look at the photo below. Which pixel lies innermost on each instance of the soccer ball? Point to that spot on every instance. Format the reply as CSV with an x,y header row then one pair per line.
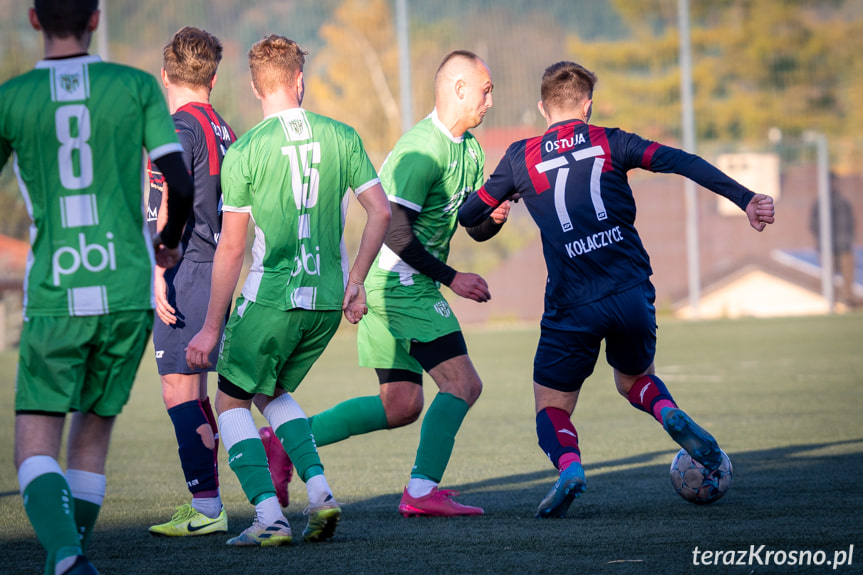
x,y
692,481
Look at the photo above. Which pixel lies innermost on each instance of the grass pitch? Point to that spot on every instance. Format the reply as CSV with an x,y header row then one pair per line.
x,y
782,396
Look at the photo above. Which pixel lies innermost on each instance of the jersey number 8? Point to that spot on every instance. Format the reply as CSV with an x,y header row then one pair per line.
x,y
64,119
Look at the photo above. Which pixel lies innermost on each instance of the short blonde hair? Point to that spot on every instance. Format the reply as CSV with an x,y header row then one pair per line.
x,y
274,63
192,57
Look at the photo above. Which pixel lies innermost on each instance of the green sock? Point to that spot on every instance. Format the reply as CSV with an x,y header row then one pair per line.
x,y
352,417
296,437
50,508
86,513
437,437
248,459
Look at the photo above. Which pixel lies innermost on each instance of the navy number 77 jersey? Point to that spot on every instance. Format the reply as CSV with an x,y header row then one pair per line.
x,y
573,180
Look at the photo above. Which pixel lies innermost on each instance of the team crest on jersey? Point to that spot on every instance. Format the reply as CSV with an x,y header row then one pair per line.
x,y
442,307
70,82
297,126
473,155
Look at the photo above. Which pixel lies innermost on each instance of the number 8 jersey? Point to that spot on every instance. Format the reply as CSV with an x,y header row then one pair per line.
x,y
76,129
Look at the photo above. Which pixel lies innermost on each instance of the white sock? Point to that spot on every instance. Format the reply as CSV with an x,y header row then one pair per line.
x,y
86,485
209,506
236,425
33,467
318,489
282,410
418,487
268,511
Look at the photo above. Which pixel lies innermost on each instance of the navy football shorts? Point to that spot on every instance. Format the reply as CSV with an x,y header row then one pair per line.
x,y
570,339
189,295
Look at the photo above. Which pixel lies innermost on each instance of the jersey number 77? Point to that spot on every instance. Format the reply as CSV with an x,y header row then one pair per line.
x,y
561,164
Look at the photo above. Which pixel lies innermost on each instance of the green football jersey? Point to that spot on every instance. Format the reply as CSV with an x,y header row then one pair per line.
x,y
292,173
76,130
431,172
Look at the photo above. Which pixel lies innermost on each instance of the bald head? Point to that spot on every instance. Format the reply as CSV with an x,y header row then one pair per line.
x,y
463,89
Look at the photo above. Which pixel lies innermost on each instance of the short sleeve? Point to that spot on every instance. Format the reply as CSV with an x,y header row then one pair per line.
x,y
412,172
236,183
362,172
160,136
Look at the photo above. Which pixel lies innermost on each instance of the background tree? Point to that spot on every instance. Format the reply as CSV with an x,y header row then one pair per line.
x,y
756,65
354,77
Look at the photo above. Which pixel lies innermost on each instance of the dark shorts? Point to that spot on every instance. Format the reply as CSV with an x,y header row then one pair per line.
x,y
626,321
429,355
189,295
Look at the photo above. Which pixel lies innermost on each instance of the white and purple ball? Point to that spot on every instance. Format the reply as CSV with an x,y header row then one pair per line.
x,y
693,482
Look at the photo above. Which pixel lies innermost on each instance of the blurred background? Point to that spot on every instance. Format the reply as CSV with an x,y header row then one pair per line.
x,y
773,95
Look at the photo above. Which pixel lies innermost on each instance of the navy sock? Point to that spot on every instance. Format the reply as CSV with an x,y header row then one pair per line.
x,y
197,444
557,436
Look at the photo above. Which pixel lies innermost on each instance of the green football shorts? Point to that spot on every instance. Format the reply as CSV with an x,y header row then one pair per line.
x,y
397,316
84,363
263,347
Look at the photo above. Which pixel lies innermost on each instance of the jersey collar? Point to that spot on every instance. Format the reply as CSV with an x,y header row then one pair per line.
x,y
436,121
86,59
286,111
564,123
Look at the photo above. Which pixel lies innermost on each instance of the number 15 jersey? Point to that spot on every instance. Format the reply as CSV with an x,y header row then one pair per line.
x,y
292,173
77,128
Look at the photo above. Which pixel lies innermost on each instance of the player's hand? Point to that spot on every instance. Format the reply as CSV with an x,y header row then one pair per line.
x,y
470,286
760,211
198,350
354,305
164,310
165,257
501,213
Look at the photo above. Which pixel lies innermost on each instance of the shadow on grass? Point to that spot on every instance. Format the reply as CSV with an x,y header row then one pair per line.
x,y
629,521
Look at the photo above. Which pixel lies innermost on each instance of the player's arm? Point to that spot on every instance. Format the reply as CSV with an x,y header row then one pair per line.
x,y
414,172
492,225
490,202
167,153
5,151
758,207
402,240
378,215
179,206
227,264
164,310
414,175
660,158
